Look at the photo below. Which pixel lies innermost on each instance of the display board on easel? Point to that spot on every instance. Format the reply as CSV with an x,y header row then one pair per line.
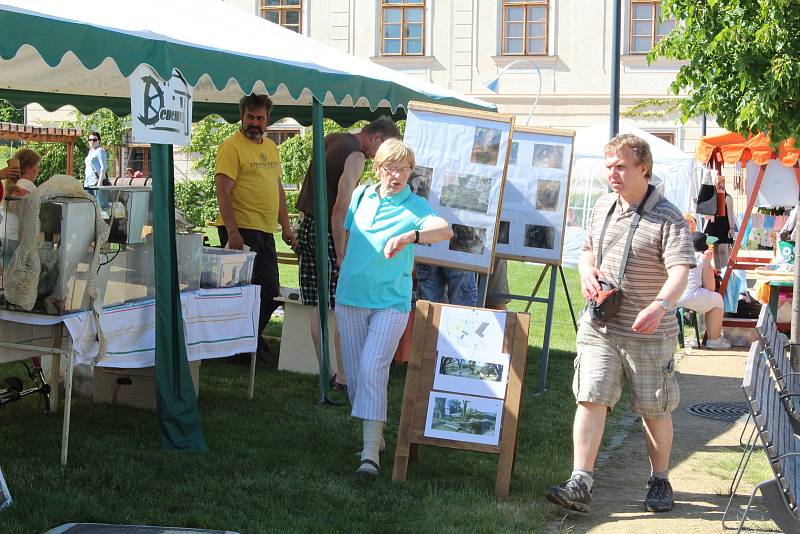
x,y
533,215
462,157
464,385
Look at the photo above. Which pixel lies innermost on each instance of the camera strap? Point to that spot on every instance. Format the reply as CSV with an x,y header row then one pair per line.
x,y
631,229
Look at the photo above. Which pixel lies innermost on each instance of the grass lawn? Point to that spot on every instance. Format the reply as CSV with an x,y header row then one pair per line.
x,y
280,463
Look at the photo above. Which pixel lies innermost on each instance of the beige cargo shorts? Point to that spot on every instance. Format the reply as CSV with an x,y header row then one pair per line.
x,y
605,361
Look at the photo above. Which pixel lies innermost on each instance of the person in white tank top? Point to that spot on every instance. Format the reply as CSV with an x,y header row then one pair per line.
x,y
701,297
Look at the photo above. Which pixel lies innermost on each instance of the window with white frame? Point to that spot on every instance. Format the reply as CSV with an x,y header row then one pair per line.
x,y
403,27
525,27
645,28
287,13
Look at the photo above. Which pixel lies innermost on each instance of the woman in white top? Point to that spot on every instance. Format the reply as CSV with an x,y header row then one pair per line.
x,y
701,297
95,171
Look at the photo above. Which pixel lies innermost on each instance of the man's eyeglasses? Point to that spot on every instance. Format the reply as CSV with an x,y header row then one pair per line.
x,y
92,139
396,170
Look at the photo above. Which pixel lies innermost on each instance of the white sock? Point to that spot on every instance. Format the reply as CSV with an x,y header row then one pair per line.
x,y
373,436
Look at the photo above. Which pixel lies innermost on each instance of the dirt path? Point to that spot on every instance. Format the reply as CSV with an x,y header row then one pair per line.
x,y
698,474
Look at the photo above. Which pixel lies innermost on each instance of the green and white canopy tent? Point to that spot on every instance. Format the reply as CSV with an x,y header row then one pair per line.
x,y
70,52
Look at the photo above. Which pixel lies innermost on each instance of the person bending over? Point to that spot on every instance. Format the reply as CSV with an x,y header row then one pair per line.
x,y
345,156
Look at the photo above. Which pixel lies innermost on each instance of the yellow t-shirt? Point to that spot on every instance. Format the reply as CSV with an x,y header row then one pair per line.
x,y
255,169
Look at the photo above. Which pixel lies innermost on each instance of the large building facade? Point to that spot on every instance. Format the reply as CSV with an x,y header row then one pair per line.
x,y
564,45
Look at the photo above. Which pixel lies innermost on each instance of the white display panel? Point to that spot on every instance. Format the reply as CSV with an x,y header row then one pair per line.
x,y
531,225
461,160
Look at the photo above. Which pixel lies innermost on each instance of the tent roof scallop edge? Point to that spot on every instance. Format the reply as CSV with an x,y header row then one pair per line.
x,y
59,53
733,147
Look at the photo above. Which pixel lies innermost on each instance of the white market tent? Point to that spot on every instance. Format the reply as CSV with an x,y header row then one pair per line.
x,y
673,175
70,52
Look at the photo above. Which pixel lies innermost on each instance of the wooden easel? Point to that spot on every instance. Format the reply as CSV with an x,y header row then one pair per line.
x,y
419,383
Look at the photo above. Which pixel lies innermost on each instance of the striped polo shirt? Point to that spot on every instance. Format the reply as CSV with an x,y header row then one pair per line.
x,y
661,241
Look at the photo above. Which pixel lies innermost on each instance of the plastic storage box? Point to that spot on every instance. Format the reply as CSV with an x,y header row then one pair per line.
x,y
224,267
130,274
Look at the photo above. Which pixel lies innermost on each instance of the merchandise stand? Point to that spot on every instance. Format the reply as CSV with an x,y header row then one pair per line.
x,y
419,384
730,148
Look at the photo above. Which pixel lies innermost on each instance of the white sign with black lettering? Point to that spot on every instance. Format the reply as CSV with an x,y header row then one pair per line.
x,y
161,111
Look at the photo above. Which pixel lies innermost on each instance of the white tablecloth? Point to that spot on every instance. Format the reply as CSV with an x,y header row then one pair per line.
x,y
217,323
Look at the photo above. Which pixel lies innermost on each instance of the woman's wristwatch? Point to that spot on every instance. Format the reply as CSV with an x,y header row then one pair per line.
x,y
416,236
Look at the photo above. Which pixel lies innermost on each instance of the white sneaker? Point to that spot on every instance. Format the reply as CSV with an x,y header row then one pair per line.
x,y
720,343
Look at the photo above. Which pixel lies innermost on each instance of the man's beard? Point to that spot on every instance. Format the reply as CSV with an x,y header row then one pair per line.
x,y
254,133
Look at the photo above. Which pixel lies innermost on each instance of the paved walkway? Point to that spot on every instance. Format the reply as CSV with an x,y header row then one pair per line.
x,y
704,455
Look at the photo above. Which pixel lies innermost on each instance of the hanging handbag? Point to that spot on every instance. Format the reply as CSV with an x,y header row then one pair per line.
x,y
609,299
707,197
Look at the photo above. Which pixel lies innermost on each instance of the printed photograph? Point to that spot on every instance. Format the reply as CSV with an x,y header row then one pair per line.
x,y
468,192
478,373
464,418
486,146
468,239
420,181
547,195
540,236
548,156
512,156
502,232
473,369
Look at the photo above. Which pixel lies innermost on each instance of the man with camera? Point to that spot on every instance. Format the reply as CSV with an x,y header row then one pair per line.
x,y
633,269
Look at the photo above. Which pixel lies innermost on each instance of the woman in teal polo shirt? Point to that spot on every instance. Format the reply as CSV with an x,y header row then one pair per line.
x,y
373,297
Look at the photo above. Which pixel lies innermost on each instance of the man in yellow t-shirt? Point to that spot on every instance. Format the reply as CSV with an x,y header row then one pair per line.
x,y
251,199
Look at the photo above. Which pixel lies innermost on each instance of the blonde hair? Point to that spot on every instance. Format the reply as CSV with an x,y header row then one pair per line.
x,y
637,145
27,158
393,150
690,221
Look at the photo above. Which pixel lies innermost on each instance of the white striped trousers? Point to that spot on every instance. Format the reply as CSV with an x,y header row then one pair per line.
x,y
369,340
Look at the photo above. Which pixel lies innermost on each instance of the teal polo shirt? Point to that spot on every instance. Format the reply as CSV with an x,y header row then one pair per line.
x,y
367,279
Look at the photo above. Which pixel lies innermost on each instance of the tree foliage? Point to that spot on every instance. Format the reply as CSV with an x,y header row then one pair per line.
x,y
742,62
197,198
8,113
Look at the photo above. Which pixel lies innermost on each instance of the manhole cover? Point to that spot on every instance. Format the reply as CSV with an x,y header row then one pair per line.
x,y
721,411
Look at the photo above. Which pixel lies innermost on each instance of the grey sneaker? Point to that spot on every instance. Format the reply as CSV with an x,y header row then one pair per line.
x,y
572,495
659,495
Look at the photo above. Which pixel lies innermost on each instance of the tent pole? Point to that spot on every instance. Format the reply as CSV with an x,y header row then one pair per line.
x,y
321,243
740,235
176,401
615,42
795,334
